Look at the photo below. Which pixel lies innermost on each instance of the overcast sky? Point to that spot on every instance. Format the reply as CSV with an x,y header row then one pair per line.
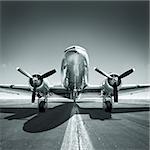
x,y
35,34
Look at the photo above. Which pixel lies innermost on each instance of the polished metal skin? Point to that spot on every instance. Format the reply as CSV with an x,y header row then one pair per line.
x,y
74,68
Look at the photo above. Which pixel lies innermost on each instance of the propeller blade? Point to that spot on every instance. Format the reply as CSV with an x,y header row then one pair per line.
x,y
47,74
33,95
126,73
103,73
115,91
24,72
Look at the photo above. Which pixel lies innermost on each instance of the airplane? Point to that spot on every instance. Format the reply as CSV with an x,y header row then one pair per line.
x,y
74,73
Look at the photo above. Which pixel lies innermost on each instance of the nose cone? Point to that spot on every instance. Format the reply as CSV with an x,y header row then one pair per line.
x,y
36,81
115,79
73,57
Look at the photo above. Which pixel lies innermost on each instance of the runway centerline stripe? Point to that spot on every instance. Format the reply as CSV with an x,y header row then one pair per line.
x,y
76,137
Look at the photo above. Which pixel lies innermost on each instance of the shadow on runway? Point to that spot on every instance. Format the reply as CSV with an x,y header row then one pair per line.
x,y
18,113
54,117
99,113
95,113
129,110
39,122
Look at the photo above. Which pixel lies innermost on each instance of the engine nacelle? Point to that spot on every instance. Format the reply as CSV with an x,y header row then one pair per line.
x,y
43,88
109,83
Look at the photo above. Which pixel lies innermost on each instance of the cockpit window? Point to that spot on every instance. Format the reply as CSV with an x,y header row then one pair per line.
x,y
70,48
76,48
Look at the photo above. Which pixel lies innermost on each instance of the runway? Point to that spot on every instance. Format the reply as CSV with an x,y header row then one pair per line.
x,y
80,126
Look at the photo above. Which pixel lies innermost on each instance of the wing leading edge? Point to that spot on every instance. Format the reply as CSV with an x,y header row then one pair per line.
x,y
62,90
16,87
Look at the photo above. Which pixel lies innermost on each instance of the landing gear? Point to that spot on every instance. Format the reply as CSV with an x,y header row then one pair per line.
x,y
107,104
42,105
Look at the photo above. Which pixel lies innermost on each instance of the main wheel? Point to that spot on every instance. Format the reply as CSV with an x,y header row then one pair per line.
x,y
108,106
42,106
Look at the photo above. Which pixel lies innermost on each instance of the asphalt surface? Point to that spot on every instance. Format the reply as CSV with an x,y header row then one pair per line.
x,y
80,126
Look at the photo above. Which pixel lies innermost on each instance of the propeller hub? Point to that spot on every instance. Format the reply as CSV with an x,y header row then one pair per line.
x,y
115,80
36,80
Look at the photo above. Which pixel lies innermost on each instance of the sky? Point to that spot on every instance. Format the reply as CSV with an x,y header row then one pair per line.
x,y
34,35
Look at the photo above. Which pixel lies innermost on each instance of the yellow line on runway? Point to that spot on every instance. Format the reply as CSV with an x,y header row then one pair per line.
x,y
76,137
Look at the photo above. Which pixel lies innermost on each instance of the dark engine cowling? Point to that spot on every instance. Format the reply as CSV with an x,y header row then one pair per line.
x,y
37,82
110,82
115,80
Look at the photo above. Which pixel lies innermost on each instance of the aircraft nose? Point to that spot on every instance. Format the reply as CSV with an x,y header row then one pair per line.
x,y
75,47
71,50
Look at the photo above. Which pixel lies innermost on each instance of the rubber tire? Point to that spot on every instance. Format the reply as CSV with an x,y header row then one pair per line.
x,y
42,106
108,107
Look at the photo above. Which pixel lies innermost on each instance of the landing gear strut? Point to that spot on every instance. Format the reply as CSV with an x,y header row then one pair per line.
x,y
42,105
107,104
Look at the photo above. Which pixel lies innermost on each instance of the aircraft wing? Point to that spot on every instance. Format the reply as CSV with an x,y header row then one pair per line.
x,y
93,89
124,88
97,88
16,88
133,87
58,90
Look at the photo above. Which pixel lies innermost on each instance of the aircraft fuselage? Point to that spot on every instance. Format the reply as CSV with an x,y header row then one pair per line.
x,y
74,68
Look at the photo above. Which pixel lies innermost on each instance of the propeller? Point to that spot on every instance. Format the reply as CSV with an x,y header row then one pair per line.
x,y
36,79
47,74
103,73
24,72
115,80
126,73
